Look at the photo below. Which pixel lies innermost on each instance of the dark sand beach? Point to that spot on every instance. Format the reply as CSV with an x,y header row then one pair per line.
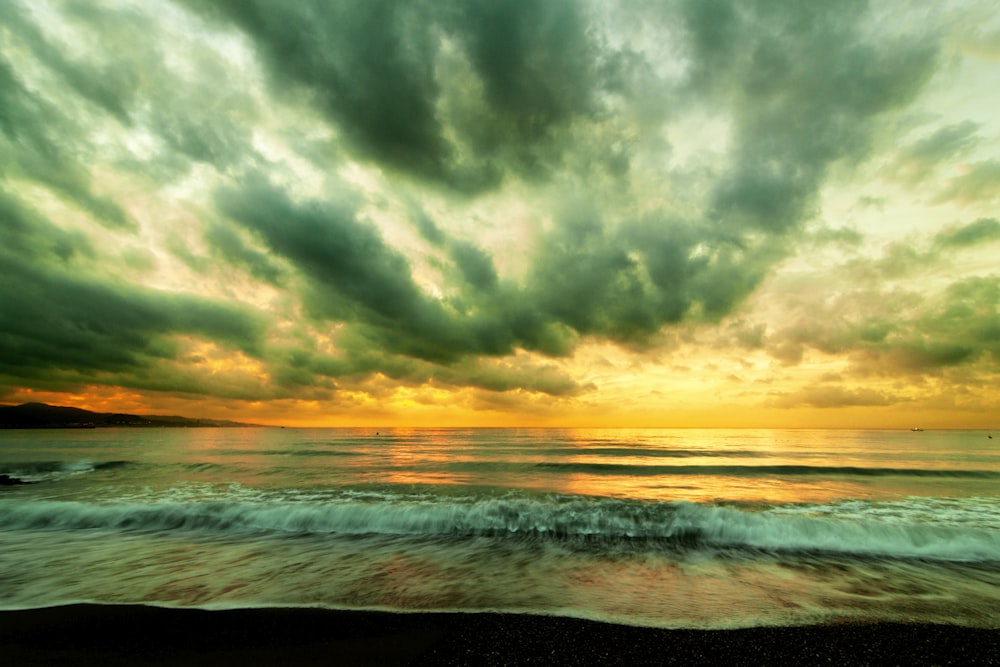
x,y
109,635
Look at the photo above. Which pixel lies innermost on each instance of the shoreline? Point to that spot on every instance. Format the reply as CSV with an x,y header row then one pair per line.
x,y
129,634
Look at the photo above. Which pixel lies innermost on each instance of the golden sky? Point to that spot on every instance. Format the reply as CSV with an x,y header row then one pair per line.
x,y
472,212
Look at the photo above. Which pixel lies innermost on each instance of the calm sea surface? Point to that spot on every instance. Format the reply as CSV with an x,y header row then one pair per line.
x,y
671,528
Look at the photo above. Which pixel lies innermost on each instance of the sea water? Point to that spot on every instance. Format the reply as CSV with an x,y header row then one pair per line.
x,y
668,528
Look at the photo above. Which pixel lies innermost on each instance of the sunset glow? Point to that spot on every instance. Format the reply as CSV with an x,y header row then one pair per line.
x,y
677,214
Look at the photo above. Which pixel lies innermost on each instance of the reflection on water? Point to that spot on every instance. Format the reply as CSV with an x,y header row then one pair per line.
x,y
756,466
785,526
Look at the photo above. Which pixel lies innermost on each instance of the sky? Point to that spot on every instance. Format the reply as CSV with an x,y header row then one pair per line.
x,y
503,213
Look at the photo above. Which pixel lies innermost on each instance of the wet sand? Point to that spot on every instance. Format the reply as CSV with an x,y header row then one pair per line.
x,y
117,635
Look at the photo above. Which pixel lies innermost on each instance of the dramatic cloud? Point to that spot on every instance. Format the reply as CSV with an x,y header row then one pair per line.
x,y
979,183
827,396
975,233
448,92
61,327
925,157
516,207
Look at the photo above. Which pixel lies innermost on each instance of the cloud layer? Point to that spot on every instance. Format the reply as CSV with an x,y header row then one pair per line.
x,y
262,200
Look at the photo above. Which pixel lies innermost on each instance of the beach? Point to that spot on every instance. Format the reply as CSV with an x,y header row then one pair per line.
x,y
130,634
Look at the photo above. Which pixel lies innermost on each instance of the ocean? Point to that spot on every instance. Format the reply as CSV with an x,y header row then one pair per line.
x,y
664,528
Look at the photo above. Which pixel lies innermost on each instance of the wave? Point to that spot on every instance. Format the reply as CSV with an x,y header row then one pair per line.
x,y
679,525
37,471
290,452
762,470
653,452
959,512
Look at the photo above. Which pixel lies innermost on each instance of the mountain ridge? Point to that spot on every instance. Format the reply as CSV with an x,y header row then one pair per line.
x,y
43,415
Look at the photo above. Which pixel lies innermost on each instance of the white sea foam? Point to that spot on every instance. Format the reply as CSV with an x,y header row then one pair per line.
x,y
974,512
43,471
682,526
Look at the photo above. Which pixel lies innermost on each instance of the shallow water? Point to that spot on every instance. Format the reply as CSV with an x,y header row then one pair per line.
x,y
672,528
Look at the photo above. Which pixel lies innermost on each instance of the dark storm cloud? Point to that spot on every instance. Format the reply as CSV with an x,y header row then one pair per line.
x,y
32,237
468,95
59,323
487,374
540,68
36,141
585,280
351,274
374,69
805,85
625,284
804,88
534,58
962,325
473,267
227,244
368,64
358,358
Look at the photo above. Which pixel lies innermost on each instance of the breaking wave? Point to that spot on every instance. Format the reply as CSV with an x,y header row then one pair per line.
x,y
37,471
679,525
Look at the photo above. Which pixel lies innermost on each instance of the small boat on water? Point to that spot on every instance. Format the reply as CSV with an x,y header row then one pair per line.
x,y
916,428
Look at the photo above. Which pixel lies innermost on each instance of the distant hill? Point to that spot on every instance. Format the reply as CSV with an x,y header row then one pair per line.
x,y
42,415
